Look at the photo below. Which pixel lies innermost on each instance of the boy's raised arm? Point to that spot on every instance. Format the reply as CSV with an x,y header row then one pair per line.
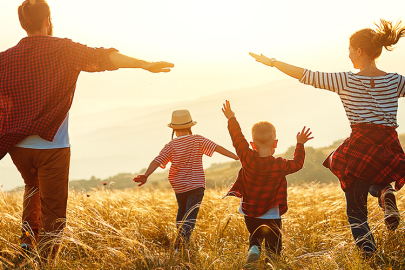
x,y
238,140
297,163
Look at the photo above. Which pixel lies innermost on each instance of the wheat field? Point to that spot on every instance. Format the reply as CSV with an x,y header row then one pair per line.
x,y
135,228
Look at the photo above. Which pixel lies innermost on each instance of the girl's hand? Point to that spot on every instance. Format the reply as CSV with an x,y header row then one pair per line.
x,y
141,179
227,110
303,136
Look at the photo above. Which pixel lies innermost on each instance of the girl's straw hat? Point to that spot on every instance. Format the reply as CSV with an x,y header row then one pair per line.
x,y
181,119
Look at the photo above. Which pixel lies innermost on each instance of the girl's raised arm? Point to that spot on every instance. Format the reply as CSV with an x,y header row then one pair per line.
x,y
290,70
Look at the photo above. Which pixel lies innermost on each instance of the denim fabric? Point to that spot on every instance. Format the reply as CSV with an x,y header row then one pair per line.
x,y
356,208
189,204
268,230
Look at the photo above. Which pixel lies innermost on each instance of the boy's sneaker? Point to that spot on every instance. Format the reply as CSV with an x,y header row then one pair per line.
x,y
26,248
253,257
388,203
26,251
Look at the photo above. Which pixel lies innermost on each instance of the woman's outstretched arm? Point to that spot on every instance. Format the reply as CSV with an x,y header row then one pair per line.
x,y
290,70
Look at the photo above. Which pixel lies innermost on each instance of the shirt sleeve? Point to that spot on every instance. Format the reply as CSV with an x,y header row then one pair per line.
x,y
334,82
165,156
296,164
238,140
83,58
401,86
208,147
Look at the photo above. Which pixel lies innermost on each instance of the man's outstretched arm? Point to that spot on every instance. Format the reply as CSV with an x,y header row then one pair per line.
x,y
122,61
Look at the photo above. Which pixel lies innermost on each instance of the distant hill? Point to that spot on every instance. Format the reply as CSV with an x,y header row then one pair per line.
x,y
224,174
126,139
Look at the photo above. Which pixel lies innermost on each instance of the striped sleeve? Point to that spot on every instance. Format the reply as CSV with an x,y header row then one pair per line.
x,y
401,86
208,147
334,82
165,156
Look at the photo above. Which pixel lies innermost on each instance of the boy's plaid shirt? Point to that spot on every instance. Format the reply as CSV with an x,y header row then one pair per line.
x,y
373,153
37,83
261,181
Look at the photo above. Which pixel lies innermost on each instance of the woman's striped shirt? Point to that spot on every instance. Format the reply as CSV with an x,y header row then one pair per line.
x,y
185,153
362,103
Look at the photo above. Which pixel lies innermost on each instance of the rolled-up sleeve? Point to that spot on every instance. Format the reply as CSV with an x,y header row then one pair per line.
x,y
84,58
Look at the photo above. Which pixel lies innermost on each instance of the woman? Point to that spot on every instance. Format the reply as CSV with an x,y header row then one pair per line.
x,y
372,157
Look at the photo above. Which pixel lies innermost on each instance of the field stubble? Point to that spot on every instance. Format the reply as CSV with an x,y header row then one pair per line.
x,y
135,228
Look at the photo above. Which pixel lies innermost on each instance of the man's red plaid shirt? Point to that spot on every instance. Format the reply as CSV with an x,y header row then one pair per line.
x,y
37,83
261,181
373,153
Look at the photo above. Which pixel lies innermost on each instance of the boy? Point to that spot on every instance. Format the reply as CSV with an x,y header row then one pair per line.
x,y
261,182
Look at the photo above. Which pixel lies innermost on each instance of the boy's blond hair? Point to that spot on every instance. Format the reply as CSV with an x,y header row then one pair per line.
x,y
263,133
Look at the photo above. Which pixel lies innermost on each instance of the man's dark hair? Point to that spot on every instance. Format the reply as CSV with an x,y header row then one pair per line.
x,y
32,14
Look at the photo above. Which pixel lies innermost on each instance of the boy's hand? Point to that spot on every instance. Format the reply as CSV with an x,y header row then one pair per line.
x,y
227,110
303,136
141,179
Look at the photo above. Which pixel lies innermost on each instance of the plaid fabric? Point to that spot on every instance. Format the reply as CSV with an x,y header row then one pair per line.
x,y
37,83
261,181
372,152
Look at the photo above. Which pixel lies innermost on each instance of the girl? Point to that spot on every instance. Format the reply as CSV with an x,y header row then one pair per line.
x,y
372,157
186,174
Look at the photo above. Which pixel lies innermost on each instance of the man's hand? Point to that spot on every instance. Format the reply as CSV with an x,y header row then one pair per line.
x,y
261,59
141,179
156,67
303,136
227,110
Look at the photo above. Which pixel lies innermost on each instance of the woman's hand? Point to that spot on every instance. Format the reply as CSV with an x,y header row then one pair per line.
x,y
262,59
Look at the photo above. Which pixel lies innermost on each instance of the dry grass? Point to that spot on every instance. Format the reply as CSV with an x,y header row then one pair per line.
x,y
134,229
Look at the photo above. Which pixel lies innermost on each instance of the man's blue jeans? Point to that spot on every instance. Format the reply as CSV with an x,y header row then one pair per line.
x,y
356,208
189,204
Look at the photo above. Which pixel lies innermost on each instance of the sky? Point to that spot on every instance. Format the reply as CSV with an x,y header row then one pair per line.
x,y
208,41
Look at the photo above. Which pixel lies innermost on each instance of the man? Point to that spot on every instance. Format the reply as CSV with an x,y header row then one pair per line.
x,y
37,83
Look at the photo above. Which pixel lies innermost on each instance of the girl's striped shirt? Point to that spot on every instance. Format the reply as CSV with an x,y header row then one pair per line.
x,y
185,153
362,103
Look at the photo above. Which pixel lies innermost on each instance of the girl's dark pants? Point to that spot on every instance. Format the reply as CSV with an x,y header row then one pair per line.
x,y
189,204
356,208
268,230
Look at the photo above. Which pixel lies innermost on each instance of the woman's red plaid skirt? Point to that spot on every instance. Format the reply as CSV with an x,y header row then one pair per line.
x,y
372,152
